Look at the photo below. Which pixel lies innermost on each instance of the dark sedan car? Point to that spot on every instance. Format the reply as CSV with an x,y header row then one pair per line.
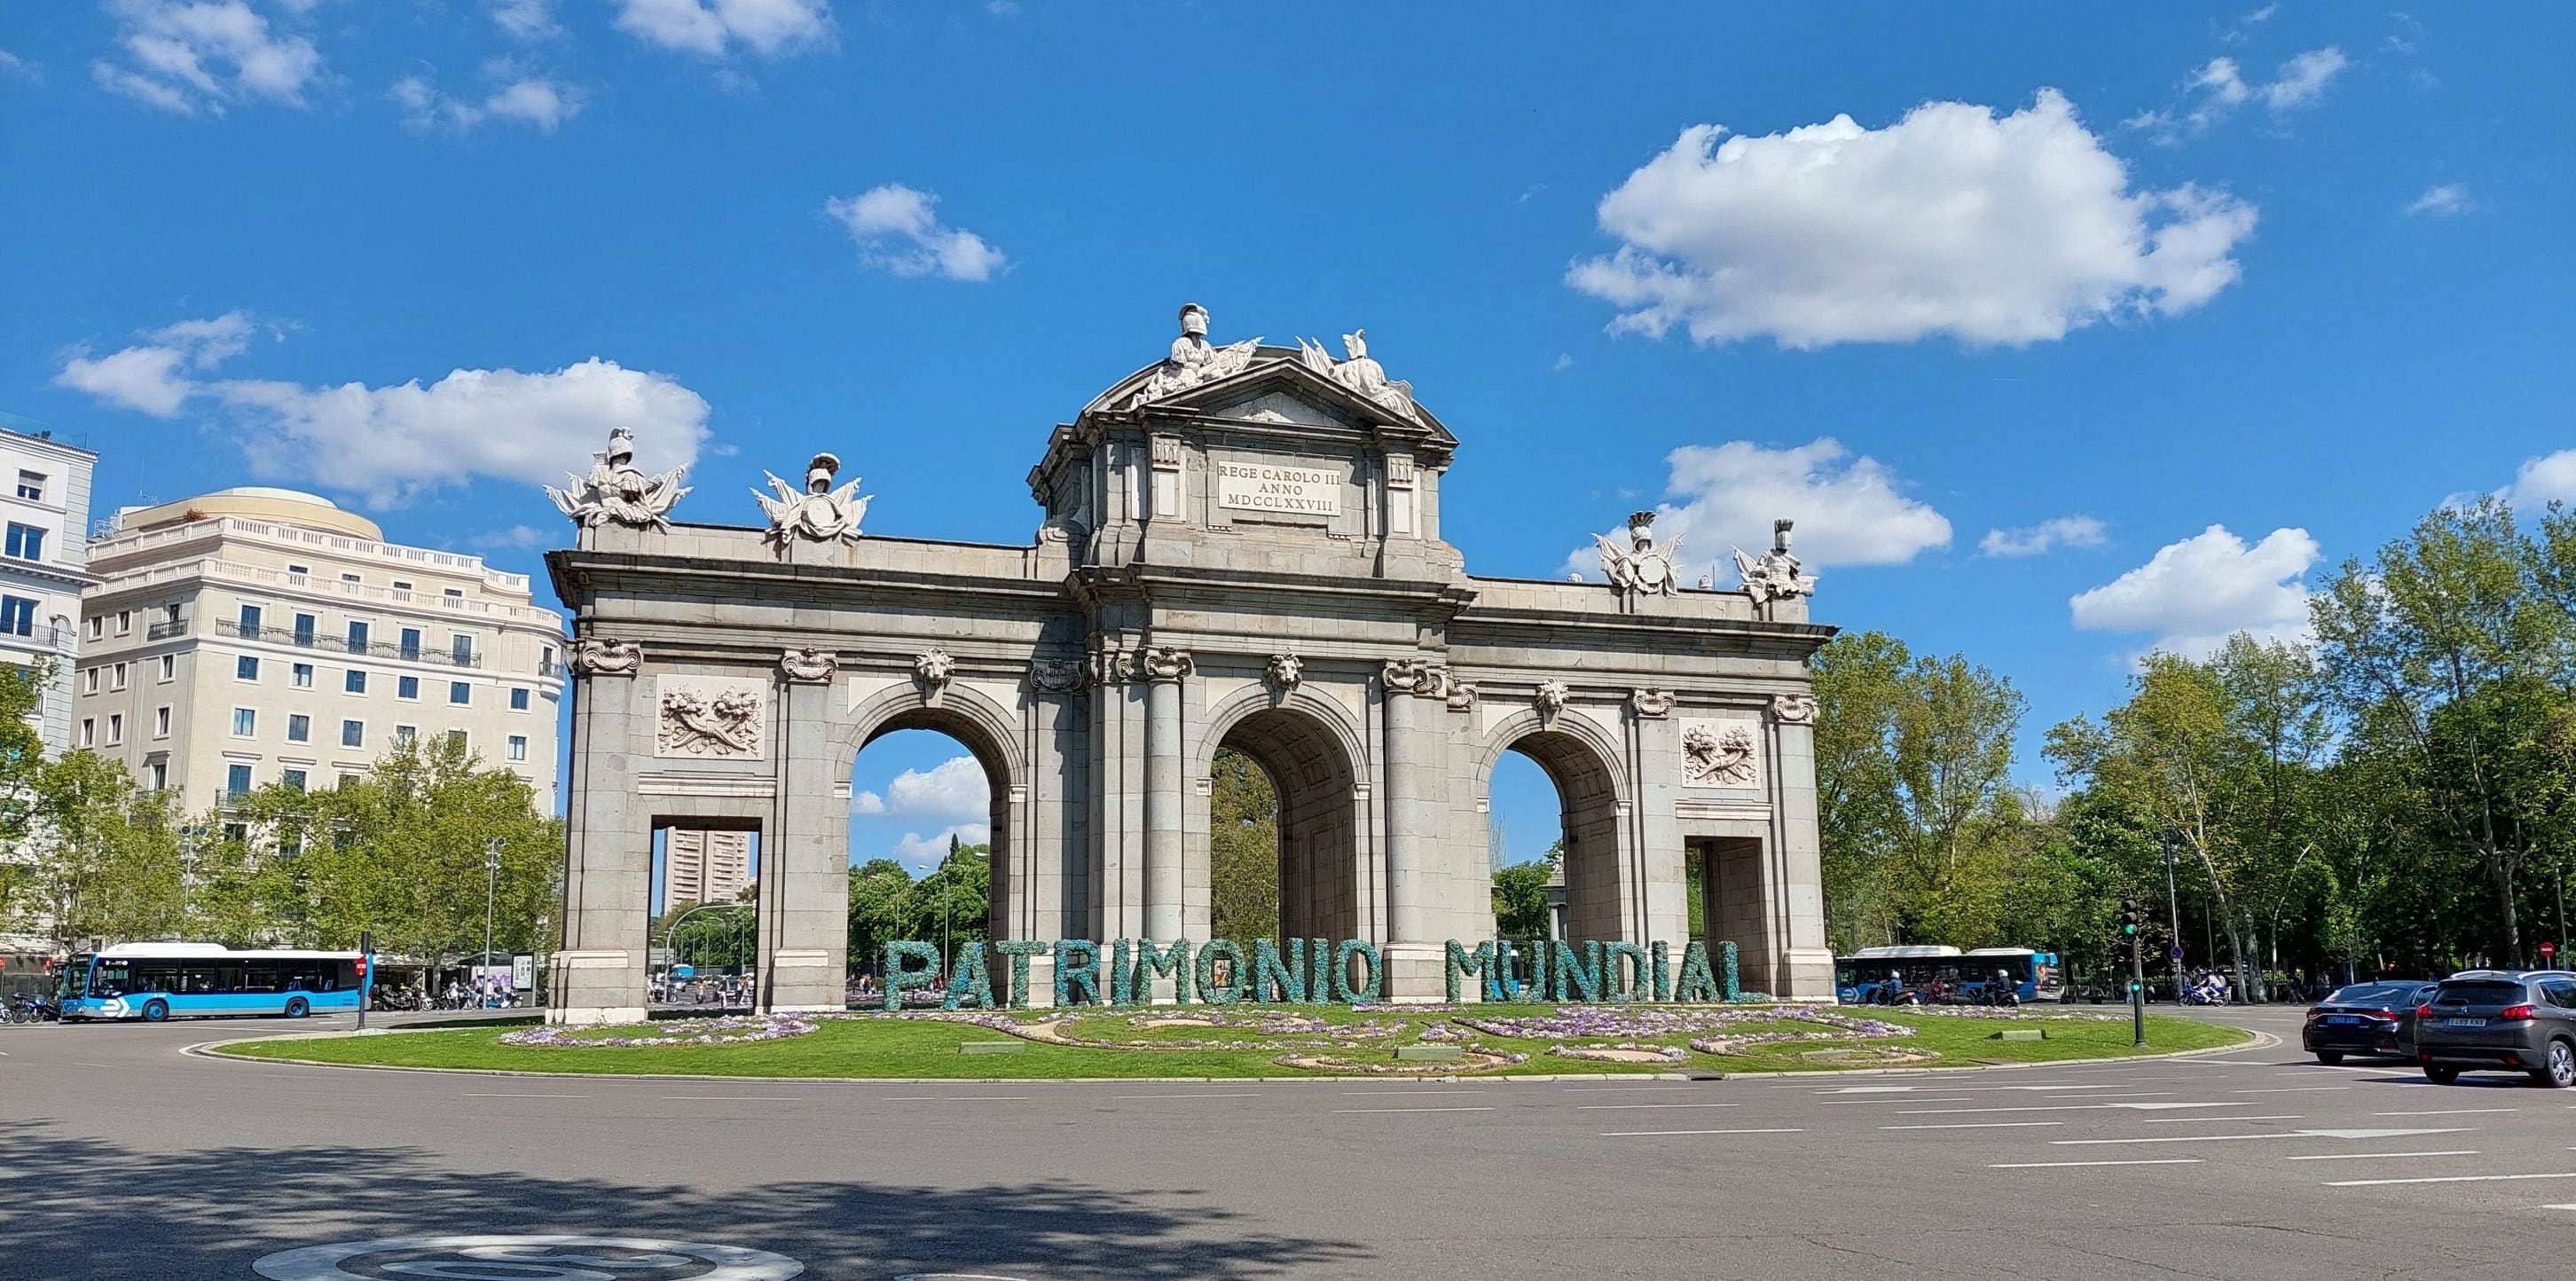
x,y
2500,1021
2366,1018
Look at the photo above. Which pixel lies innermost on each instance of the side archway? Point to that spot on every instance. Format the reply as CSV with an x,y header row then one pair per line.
x,y
1309,748
989,732
1600,891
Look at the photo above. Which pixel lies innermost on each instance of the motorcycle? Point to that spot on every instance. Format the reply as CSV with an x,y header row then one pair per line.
x,y
33,1009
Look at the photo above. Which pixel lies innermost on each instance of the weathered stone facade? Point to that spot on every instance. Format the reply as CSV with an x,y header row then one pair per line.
x,y
1248,558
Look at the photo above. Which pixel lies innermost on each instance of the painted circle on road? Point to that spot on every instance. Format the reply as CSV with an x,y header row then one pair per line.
x,y
526,1258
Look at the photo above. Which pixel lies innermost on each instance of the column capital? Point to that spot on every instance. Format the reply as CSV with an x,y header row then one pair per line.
x,y
1057,676
1651,704
1794,709
808,665
1164,663
1419,677
599,656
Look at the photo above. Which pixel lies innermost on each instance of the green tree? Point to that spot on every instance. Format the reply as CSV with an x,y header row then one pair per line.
x,y
1243,850
101,855
1520,899
877,892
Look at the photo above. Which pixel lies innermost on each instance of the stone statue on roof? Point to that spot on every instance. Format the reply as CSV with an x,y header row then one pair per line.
x,y
1774,574
617,492
821,514
1194,360
1360,373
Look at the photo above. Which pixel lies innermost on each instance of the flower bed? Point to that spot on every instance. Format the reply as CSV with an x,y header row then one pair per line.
x,y
732,1029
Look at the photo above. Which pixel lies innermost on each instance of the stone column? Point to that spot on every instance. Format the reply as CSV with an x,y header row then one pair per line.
x,y
598,976
1415,962
1805,961
805,852
1163,671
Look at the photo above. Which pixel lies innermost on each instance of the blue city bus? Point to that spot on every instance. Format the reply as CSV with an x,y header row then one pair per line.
x,y
1859,977
156,981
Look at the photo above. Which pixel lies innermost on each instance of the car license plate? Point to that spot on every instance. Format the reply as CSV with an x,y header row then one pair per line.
x,y
2343,1020
2464,1022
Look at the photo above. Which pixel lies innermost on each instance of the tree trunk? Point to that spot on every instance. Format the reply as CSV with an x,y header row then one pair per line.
x,y
2501,868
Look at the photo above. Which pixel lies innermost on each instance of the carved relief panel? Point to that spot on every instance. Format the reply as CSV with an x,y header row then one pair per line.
x,y
1721,753
710,718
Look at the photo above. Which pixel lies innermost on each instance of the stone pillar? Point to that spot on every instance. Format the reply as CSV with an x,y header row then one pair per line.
x,y
598,976
1416,963
1165,918
1654,780
1804,960
805,852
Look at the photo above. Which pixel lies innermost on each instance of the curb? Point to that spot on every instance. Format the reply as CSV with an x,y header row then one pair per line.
x,y
209,1050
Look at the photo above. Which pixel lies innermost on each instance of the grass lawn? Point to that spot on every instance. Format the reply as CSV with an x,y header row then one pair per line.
x,y
1253,1041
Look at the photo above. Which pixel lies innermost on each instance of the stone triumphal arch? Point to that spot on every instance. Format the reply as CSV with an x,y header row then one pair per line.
x,y
1240,547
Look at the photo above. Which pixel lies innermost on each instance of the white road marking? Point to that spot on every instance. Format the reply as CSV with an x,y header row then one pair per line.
x,y
1125,1097
2244,1138
2067,1107
983,1098
526,1096
1973,1125
2140,1094
1870,1089
2167,1107
2447,1112
2450,1178
729,1098
2060,1165
1647,1134
2201,1120
2376,1156
2382,1134
1414,1093
2292,1089
1362,1111
1834,1103
1625,1089
1625,1107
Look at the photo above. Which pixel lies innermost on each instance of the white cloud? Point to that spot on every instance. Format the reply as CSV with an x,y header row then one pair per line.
x,y
517,96
186,56
394,443
2047,535
1564,361
13,65
2007,230
713,28
955,788
2263,14
2302,80
153,377
2540,480
526,19
1850,511
2218,87
897,228
2447,200
515,538
921,852
2193,594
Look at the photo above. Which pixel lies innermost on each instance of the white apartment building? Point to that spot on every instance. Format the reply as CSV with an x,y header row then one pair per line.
x,y
704,866
44,560
258,635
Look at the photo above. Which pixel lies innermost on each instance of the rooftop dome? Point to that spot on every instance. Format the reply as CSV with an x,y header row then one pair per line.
x,y
270,491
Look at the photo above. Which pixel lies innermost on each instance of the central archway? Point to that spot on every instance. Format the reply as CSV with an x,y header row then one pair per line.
x,y
1305,748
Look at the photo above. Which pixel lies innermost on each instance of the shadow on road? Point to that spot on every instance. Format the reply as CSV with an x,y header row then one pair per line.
x,y
84,1208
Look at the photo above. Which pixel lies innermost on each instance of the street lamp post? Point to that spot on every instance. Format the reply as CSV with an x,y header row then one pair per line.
x,y
2173,914
491,887
671,936
189,837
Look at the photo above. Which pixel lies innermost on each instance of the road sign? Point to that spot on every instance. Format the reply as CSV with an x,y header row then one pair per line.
x,y
2547,949
2174,952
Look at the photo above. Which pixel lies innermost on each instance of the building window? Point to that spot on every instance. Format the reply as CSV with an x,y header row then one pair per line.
x,y
299,728
518,747
31,486
546,659
89,681
246,668
406,687
401,586
237,780
116,677
293,778
26,542
406,735
18,617
299,570
461,649
357,637
353,733
237,832
305,626
460,693
250,619
411,643
97,626
455,593
355,682
115,728
300,675
456,739
89,732
348,578
125,622
518,700
169,668
245,722
159,773
161,722
347,779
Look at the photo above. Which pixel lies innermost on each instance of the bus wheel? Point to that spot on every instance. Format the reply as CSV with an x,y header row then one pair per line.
x,y
296,1007
155,1010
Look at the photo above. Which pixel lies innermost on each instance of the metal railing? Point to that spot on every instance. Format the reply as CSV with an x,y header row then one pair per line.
x,y
338,645
166,628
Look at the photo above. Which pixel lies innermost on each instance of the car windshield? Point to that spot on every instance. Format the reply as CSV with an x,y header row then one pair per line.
x,y
2480,992
2372,994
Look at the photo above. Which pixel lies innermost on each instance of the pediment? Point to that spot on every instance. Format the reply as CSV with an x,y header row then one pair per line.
x,y
1279,390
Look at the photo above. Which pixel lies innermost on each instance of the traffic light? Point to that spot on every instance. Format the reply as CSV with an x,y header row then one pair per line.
x,y
2131,917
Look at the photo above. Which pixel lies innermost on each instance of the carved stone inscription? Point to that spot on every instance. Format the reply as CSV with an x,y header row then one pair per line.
x,y
1302,490
1720,754
710,717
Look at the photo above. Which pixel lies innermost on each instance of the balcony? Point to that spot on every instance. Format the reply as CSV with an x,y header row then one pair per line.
x,y
166,628
337,645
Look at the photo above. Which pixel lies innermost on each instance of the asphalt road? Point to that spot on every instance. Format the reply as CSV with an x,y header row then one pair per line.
x,y
122,1157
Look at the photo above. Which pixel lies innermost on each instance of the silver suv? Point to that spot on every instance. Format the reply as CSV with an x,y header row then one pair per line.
x,y
2500,1021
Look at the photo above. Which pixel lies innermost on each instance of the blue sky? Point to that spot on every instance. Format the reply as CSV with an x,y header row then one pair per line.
x,y
2069,287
